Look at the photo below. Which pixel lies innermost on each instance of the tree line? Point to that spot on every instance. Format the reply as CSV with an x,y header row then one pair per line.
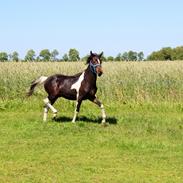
x,y
166,53
72,55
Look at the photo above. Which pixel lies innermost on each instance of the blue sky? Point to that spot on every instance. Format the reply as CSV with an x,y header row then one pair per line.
x,y
111,26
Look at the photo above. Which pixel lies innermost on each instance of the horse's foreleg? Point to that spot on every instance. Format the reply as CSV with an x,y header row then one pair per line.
x,y
78,104
48,105
97,102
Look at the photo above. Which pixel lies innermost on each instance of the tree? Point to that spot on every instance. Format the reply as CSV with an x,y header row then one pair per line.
x,y
54,54
124,56
177,53
163,54
132,55
155,55
14,56
73,55
3,56
110,58
140,56
65,57
30,56
45,55
38,58
167,53
85,58
118,57
103,58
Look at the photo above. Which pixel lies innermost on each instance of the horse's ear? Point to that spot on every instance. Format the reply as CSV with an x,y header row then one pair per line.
x,y
100,55
91,53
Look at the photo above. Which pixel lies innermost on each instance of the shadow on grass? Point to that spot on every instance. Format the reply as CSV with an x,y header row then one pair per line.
x,y
65,119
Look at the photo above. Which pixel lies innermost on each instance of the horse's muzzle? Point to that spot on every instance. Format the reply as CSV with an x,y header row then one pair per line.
x,y
99,71
100,74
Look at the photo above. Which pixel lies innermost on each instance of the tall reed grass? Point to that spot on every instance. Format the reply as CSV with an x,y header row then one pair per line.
x,y
122,81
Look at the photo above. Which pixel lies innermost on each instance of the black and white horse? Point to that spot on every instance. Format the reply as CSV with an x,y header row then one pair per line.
x,y
79,87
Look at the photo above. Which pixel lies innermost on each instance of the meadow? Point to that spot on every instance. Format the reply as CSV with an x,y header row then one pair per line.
x,y
142,143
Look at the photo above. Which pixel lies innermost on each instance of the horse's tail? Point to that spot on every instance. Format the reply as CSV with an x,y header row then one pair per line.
x,y
36,82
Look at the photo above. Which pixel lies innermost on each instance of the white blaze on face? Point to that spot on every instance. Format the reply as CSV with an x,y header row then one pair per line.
x,y
98,60
77,84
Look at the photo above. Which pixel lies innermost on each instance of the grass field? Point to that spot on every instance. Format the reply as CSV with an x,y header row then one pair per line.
x,y
143,143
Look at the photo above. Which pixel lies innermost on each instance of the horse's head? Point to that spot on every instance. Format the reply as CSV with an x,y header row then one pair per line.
x,y
95,63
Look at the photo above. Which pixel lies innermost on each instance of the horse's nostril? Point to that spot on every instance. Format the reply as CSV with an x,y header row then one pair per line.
x,y
100,73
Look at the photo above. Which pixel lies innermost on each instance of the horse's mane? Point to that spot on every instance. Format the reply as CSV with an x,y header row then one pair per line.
x,y
88,59
70,76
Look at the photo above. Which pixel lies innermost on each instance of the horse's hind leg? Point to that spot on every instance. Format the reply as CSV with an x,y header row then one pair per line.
x,y
49,101
46,108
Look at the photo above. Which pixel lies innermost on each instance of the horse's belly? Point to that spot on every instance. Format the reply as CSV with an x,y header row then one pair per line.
x,y
71,95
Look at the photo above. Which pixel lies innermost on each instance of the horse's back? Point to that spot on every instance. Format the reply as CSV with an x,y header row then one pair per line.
x,y
60,85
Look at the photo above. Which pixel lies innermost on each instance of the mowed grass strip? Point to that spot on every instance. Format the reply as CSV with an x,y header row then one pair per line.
x,y
140,145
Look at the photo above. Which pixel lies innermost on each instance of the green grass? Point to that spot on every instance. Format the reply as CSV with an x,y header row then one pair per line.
x,y
143,143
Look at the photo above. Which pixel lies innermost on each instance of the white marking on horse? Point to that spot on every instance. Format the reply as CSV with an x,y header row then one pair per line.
x,y
77,84
48,106
47,103
41,80
98,60
45,113
103,113
75,114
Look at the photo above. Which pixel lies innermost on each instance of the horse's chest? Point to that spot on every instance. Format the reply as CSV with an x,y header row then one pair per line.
x,y
83,87
77,85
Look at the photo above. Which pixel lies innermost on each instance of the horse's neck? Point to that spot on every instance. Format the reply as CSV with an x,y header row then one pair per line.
x,y
90,76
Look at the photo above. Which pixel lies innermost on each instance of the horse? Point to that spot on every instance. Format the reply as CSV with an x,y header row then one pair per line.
x,y
79,87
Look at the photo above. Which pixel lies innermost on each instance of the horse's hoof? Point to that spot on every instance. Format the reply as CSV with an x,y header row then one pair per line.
x,y
105,124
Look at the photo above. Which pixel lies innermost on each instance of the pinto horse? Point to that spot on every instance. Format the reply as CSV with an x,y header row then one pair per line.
x,y
79,87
